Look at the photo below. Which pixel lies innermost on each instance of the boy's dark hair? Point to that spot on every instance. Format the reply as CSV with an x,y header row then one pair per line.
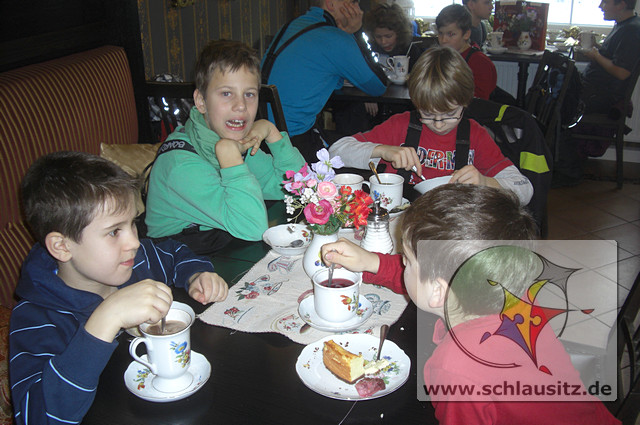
x,y
440,81
392,17
454,14
224,56
454,212
63,192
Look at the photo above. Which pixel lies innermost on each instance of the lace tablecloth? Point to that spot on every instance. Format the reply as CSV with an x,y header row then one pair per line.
x,y
266,300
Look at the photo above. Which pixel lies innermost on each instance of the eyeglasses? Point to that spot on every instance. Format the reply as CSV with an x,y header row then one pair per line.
x,y
431,119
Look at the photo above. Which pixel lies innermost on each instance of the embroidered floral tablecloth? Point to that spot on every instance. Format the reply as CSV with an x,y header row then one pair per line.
x,y
266,300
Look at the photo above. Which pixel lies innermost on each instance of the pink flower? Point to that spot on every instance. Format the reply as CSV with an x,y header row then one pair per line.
x,y
311,183
318,213
327,190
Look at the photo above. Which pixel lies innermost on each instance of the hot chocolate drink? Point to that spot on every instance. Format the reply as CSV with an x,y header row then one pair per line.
x,y
171,327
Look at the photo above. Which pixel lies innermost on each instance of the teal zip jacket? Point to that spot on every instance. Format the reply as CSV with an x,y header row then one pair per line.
x,y
186,189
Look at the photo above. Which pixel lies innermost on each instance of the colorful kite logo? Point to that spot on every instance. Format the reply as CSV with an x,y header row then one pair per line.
x,y
522,319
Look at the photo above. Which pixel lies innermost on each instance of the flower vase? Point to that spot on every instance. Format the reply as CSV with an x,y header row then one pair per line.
x,y
524,41
312,259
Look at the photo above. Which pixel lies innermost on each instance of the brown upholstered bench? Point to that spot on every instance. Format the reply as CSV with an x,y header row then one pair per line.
x,y
76,103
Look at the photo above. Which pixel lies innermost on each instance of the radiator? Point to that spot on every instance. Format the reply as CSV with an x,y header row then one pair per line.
x,y
508,80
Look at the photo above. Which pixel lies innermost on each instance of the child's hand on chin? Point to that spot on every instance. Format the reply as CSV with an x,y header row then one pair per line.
x,y
261,130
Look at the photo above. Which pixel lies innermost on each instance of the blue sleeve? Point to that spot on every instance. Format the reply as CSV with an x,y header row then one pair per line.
x,y
55,366
168,261
357,65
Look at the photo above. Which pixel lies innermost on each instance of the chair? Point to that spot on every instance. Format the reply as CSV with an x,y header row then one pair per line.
x,y
162,92
269,96
516,133
547,94
615,123
626,407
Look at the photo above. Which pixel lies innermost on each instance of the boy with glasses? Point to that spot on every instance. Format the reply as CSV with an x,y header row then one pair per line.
x,y
441,86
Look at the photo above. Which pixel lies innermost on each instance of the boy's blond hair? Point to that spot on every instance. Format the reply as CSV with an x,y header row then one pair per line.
x,y
440,81
224,56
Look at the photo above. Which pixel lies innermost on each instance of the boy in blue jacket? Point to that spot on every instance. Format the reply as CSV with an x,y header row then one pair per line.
x,y
87,277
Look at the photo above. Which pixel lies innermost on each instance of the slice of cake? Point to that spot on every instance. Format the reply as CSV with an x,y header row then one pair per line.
x,y
342,363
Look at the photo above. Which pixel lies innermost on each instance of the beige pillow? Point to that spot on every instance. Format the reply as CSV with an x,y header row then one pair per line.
x,y
133,158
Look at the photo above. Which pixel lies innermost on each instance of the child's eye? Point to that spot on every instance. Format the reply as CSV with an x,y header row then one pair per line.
x,y
226,93
114,232
250,95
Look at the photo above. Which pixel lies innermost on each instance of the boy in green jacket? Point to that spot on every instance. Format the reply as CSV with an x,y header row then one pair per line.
x,y
210,178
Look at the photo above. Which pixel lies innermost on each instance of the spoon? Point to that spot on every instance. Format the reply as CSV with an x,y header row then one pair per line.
x,y
331,267
415,170
163,323
383,334
373,168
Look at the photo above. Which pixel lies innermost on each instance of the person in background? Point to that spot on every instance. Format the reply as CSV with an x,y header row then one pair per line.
x,y
214,191
604,84
389,33
480,11
454,30
87,278
440,87
458,224
316,63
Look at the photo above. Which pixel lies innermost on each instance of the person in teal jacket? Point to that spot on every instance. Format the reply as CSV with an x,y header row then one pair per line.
x,y
210,178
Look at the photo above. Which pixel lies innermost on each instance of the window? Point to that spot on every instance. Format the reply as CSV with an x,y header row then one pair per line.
x,y
561,12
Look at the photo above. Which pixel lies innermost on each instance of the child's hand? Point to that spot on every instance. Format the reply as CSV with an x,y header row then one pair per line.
x,y
346,254
350,19
469,175
229,153
261,130
146,301
399,157
208,287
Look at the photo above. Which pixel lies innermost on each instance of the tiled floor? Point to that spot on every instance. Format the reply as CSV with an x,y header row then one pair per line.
x,y
596,209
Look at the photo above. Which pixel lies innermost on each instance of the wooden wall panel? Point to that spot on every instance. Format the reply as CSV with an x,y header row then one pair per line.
x,y
172,37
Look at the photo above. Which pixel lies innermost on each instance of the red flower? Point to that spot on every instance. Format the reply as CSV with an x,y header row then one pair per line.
x,y
318,213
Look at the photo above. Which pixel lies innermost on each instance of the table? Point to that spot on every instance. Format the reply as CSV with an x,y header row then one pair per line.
x,y
395,94
253,375
523,60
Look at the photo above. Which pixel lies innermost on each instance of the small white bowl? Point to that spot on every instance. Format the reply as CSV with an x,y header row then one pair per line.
x,y
288,239
398,80
425,186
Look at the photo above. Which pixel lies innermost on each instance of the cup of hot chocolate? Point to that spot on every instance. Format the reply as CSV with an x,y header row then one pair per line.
x,y
339,300
168,353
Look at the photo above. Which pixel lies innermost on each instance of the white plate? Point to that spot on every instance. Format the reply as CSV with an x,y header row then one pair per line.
x,y
307,312
395,214
496,50
398,80
317,377
137,379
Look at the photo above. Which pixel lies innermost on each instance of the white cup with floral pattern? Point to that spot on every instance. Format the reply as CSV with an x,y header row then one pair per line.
x,y
168,354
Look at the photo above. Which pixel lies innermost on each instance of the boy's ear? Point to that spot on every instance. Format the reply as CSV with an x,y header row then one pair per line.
x,y
56,244
198,99
467,35
438,293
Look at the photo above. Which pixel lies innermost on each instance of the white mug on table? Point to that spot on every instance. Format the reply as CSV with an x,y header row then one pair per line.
x,y
494,39
354,181
168,354
400,65
389,191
